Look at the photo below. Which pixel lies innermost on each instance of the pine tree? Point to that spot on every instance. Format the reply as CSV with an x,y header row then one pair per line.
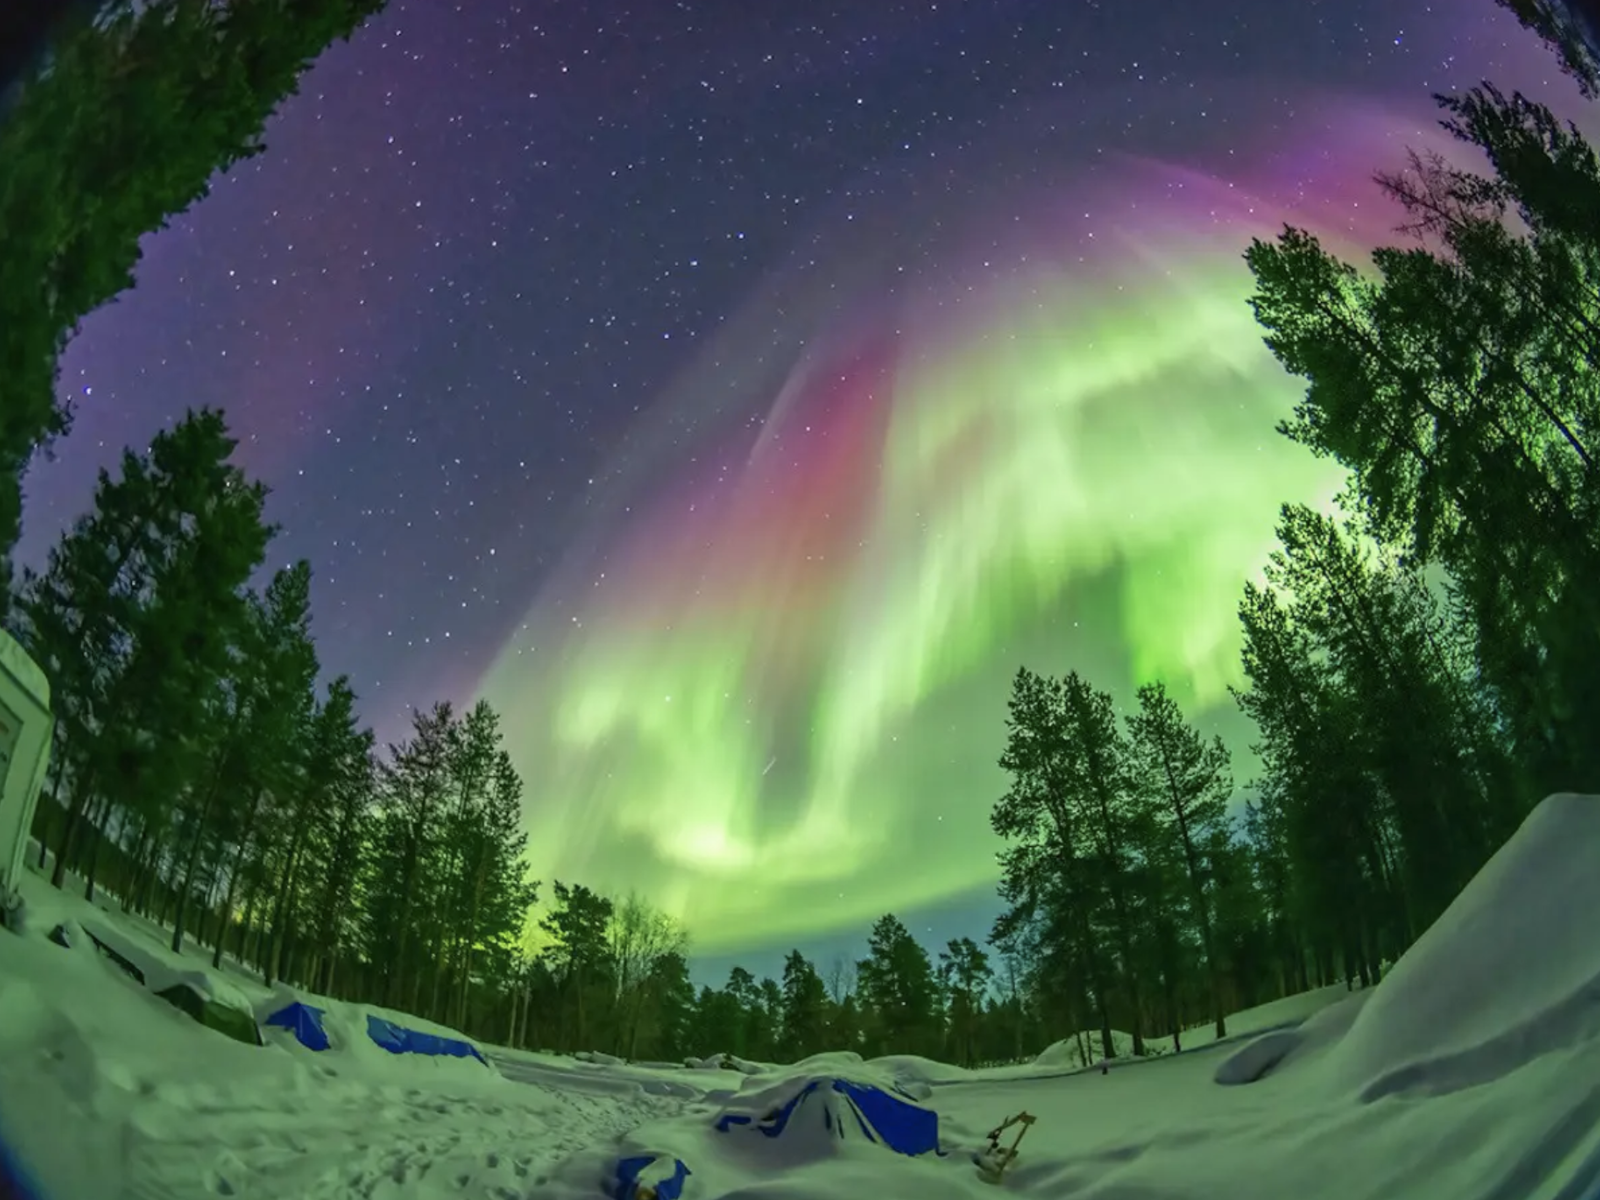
x,y
1048,876
578,925
673,998
1310,747
1569,30
339,783
261,725
75,619
152,583
803,1027
1188,784
405,868
898,990
965,971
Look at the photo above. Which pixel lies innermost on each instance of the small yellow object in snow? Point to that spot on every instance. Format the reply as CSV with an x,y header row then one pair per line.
x,y
995,1158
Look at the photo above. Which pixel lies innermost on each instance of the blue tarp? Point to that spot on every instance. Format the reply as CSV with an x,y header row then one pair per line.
x,y
626,1185
304,1021
398,1040
903,1127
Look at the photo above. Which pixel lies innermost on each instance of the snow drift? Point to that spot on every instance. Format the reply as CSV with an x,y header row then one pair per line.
x,y
1472,1071
1509,972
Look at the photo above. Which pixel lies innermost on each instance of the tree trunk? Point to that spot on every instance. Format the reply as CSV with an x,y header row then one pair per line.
x,y
397,969
527,1011
149,895
136,867
55,799
247,925
435,957
281,905
69,829
99,819
1197,890
468,935
196,843
226,913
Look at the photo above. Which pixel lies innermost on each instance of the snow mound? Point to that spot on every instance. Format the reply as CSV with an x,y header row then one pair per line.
x,y
730,1062
1257,1057
1509,973
1083,1050
351,1047
914,1074
1273,1050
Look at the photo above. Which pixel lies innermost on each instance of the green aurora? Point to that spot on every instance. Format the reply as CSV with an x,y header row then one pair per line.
x,y
770,690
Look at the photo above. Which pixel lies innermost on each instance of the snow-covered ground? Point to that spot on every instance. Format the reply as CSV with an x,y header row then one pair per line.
x,y
1472,1072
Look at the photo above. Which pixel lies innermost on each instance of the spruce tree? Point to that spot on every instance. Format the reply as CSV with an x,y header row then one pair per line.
x,y
578,925
965,972
805,1009
898,990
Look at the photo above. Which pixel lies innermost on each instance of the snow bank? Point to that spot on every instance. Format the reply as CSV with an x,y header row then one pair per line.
x,y
731,1062
1470,1072
1509,972
1069,1052
911,1072
107,1090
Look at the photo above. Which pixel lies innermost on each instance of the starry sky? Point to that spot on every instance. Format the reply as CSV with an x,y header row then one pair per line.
x,y
737,394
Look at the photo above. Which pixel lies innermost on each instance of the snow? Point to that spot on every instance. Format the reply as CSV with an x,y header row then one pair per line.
x,y
1471,1072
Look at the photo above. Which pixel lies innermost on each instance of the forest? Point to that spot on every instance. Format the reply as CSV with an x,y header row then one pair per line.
x,y
1421,665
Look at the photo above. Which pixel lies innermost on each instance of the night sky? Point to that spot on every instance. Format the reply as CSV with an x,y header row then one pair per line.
x,y
737,393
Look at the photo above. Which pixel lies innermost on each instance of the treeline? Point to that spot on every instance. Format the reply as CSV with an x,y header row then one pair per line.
x,y
613,977
242,804
1421,668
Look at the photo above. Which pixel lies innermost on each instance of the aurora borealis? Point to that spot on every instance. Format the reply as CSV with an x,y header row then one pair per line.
x,y
736,403
779,670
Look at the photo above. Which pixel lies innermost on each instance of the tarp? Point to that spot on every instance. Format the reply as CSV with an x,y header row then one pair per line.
x,y
398,1040
304,1021
881,1116
664,1175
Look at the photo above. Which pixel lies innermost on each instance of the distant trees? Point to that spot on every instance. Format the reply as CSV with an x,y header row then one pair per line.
x,y
965,978
898,992
803,1029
